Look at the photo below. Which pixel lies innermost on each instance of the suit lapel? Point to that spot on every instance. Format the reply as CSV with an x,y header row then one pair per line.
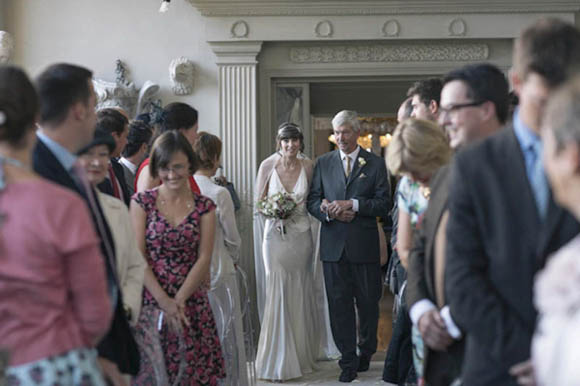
x,y
436,208
357,167
553,219
48,166
519,188
338,171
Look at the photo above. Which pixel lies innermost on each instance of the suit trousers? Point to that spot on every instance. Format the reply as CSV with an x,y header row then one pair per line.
x,y
345,282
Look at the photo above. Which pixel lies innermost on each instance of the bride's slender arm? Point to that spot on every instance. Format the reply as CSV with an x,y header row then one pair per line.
x,y
200,271
316,194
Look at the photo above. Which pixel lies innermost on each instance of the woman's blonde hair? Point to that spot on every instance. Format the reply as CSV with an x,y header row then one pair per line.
x,y
417,146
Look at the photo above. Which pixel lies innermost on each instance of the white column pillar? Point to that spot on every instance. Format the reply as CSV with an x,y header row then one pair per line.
x,y
238,101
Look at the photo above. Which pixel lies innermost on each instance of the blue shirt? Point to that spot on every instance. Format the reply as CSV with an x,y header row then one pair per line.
x,y
530,143
65,157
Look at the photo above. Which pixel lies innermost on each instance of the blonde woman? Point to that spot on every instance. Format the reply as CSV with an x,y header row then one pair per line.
x,y
418,149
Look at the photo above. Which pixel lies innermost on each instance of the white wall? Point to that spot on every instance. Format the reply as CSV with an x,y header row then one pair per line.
x,y
94,33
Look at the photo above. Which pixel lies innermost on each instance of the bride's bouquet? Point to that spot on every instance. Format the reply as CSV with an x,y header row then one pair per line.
x,y
279,206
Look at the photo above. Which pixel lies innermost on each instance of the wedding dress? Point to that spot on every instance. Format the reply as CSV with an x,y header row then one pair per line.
x,y
289,338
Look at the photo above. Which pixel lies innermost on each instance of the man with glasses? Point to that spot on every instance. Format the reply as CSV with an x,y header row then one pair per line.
x,y
474,104
503,222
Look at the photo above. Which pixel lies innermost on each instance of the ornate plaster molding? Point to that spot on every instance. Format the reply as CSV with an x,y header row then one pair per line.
x,y
455,52
240,29
229,8
181,75
324,29
391,28
457,27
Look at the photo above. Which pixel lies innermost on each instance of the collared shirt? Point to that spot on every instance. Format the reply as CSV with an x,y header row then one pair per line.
x,y
527,140
65,157
128,164
531,146
353,156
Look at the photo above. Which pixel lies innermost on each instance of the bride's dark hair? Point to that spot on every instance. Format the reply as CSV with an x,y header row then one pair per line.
x,y
289,130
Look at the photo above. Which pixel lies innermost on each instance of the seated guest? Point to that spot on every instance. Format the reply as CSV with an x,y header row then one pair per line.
x,y
175,230
556,344
94,158
178,117
54,306
115,123
135,151
474,104
418,149
224,292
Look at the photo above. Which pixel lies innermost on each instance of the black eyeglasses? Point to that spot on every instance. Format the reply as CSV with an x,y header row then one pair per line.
x,y
454,108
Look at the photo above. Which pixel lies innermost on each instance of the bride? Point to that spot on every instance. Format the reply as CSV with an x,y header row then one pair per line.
x,y
292,324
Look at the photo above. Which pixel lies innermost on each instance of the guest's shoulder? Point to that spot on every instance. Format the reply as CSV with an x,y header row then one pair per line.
x,y
146,197
204,203
326,156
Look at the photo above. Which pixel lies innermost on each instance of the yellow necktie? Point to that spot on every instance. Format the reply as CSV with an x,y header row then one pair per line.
x,y
348,169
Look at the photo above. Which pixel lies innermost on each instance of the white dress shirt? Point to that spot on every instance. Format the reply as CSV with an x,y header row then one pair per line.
x,y
353,157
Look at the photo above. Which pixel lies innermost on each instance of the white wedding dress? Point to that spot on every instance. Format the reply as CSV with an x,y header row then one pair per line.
x,y
289,338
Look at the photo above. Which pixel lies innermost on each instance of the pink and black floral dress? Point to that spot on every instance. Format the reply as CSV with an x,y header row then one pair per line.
x,y
171,253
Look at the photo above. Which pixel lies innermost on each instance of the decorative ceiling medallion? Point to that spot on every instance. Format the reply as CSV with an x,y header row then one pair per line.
x,y
240,29
457,27
443,52
391,28
324,29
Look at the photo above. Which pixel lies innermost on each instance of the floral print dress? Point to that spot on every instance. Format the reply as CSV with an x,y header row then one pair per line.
x,y
171,253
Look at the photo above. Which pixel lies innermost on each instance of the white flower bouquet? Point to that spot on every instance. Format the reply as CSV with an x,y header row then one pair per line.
x,y
279,206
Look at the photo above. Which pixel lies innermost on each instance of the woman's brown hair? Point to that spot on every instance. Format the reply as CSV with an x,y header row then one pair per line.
x,y
208,148
165,147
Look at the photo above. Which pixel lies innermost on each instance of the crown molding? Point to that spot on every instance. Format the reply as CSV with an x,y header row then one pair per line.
x,y
230,8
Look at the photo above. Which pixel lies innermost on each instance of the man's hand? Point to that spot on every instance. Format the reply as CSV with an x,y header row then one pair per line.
x,y
524,372
337,206
324,205
433,330
346,215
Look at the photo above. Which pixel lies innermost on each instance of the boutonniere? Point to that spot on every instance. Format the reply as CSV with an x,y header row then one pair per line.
x,y
362,175
361,162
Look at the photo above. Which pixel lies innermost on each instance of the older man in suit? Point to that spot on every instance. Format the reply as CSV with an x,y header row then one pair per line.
x,y
503,222
349,191
474,104
67,123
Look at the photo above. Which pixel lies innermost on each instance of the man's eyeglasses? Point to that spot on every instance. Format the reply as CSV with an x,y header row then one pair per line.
x,y
457,107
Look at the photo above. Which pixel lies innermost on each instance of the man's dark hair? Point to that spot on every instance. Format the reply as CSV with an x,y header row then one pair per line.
x,y
428,90
550,48
60,87
485,82
139,133
111,121
177,116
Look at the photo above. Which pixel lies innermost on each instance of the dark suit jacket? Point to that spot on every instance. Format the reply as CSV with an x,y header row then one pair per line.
x,y
119,171
368,184
118,345
496,243
421,276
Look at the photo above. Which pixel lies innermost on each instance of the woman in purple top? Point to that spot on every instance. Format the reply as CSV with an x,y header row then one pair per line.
x,y
54,305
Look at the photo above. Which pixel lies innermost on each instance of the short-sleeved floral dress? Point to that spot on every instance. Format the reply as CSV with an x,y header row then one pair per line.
x,y
171,254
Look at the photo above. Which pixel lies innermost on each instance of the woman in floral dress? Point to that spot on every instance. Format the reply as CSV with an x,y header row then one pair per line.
x,y
175,230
